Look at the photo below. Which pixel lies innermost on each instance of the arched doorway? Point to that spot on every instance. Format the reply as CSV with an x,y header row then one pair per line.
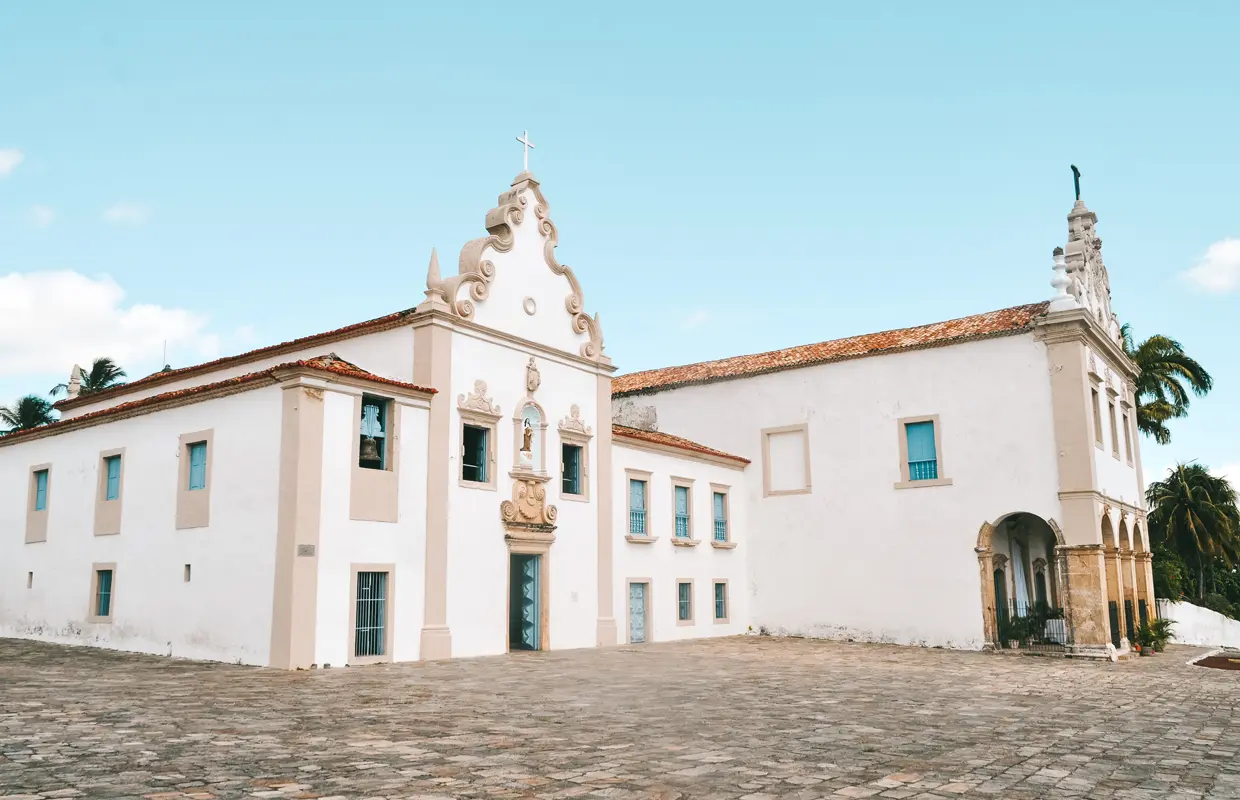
x,y
1021,582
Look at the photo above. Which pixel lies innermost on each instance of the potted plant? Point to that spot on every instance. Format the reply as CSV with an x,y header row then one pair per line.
x,y
1144,638
1161,629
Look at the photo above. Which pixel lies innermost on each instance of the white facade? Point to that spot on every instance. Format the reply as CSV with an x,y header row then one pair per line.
x,y
447,481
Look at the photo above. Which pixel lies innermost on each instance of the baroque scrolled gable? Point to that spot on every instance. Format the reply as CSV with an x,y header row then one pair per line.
x,y
477,271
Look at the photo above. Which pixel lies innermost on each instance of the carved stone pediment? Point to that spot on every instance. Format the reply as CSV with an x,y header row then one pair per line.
x,y
1039,564
478,401
528,511
573,423
1000,561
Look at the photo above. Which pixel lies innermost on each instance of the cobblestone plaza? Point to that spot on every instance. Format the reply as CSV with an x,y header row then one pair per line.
x,y
748,718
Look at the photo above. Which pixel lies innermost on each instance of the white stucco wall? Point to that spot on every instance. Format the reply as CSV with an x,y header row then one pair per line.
x,y
1200,626
662,564
344,542
1117,478
387,353
224,612
478,557
857,558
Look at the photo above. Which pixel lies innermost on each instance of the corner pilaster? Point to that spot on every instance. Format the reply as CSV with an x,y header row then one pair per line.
x,y
607,632
432,367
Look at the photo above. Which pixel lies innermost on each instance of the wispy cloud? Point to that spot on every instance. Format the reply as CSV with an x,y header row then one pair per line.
x,y
695,320
9,159
1232,473
1219,271
126,214
42,215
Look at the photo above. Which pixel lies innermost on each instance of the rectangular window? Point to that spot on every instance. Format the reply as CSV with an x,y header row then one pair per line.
x,y
570,463
197,466
1114,431
637,507
720,501
112,490
1127,437
721,601
682,512
40,490
1097,417
923,464
103,593
474,454
370,623
684,601
372,433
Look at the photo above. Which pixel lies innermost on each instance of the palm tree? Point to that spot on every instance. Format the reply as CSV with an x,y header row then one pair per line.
x,y
29,412
1161,395
104,373
1195,513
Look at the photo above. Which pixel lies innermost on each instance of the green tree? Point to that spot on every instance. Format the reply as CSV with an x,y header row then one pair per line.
x,y
29,412
1194,513
1160,389
104,373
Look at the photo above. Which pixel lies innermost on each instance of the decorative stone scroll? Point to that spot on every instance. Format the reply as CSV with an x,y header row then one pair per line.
x,y
528,516
573,423
477,400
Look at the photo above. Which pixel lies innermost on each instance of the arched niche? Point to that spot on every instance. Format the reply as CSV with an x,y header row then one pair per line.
x,y
529,428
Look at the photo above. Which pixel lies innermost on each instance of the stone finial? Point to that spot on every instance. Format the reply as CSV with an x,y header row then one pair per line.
x,y
75,381
1062,301
435,298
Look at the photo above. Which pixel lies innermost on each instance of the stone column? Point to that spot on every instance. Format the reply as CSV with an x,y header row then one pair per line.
x,y
1145,581
1085,599
1115,593
1128,563
432,367
990,622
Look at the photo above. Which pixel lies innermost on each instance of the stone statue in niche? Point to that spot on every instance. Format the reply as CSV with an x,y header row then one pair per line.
x,y
527,445
532,377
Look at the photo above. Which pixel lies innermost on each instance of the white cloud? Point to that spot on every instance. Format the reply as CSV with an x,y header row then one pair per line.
x,y
9,159
695,320
1219,271
1232,473
50,321
42,215
126,214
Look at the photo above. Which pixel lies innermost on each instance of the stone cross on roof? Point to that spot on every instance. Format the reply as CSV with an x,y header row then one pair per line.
x,y
524,139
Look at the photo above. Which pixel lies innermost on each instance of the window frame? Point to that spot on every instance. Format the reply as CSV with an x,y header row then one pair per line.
x,y
1112,402
107,520
1126,410
36,518
727,601
689,540
387,413
726,491
1096,400
194,505
581,440
389,612
690,620
92,614
490,424
767,433
906,481
647,534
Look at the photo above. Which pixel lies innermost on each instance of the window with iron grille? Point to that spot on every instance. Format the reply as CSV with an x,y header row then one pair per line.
x,y
474,453
103,593
637,507
570,462
197,466
720,501
923,464
370,621
682,512
721,600
684,601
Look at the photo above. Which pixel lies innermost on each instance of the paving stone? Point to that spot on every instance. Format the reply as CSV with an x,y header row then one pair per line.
x,y
751,717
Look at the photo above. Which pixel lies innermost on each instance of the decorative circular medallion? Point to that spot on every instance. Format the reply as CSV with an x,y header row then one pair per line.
x,y
529,305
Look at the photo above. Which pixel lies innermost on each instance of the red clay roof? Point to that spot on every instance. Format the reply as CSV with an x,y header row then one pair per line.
x,y
158,378
1005,322
326,363
668,440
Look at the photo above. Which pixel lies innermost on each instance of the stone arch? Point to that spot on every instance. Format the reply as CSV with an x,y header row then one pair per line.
x,y
997,566
1122,541
1107,530
1139,544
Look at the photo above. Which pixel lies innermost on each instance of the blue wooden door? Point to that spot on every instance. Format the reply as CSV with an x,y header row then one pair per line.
x,y
637,612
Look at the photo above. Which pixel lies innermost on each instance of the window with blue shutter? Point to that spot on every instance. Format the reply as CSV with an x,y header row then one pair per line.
x,y
474,453
198,466
570,463
721,601
721,517
113,488
40,490
923,462
637,507
103,593
682,512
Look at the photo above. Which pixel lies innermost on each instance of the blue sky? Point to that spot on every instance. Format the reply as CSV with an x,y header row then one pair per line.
x,y
236,174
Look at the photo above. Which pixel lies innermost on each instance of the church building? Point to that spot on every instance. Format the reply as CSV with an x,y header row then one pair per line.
x,y
470,477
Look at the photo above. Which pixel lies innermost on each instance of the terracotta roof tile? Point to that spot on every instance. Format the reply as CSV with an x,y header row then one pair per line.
x,y
168,376
668,440
1004,322
325,363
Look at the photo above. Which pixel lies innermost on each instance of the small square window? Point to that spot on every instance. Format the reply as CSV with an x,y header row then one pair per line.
x,y
40,490
197,466
474,453
571,466
373,433
112,489
637,507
